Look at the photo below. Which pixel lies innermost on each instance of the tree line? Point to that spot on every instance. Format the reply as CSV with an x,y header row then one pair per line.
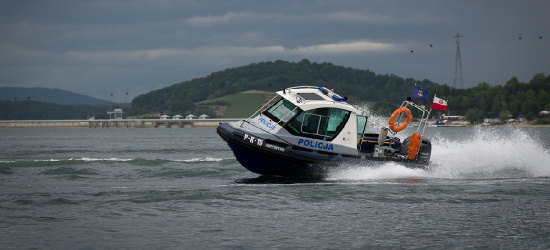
x,y
510,100
384,92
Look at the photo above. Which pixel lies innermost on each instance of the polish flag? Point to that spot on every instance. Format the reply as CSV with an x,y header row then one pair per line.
x,y
439,104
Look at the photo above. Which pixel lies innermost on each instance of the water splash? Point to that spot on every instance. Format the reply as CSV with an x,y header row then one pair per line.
x,y
483,153
491,153
374,122
389,170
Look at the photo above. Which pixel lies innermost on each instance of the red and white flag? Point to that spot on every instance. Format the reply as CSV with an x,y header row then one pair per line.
x,y
439,104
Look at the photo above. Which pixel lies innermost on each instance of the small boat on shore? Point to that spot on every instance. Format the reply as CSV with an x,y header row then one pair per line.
x,y
438,124
309,130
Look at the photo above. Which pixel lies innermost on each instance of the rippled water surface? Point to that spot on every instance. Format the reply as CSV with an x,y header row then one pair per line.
x,y
183,188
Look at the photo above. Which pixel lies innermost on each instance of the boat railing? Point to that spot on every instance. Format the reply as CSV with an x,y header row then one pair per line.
x,y
425,114
261,110
283,120
302,87
328,92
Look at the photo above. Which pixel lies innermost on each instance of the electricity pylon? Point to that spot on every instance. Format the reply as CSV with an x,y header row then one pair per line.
x,y
458,65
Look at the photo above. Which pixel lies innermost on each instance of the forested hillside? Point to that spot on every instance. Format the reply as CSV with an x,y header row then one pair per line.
x,y
358,85
510,100
385,92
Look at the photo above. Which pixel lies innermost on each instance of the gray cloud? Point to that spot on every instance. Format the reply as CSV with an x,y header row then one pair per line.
x,y
98,47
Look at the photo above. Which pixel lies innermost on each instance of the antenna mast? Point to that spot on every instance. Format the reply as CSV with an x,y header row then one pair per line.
x,y
458,65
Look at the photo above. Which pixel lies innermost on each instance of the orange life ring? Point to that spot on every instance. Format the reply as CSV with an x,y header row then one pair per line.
x,y
395,114
414,145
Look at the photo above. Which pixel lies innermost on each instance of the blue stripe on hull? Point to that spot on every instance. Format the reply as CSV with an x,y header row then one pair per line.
x,y
268,165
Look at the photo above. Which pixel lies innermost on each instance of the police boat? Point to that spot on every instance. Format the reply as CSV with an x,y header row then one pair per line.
x,y
309,130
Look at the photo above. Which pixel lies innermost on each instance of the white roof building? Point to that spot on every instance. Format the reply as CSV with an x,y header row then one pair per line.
x,y
203,116
177,117
164,117
115,114
189,117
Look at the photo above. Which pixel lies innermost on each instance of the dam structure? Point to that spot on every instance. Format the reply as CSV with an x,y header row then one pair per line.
x,y
116,123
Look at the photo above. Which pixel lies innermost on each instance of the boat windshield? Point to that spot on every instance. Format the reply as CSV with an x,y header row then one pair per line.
x,y
321,123
282,111
361,124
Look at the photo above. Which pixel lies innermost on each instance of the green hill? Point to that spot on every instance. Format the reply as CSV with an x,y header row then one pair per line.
x,y
239,105
505,100
358,85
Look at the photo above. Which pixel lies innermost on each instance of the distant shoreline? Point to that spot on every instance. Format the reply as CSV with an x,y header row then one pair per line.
x,y
521,126
168,123
116,123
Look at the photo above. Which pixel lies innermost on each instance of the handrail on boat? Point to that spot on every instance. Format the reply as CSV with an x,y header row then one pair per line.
x,y
261,110
424,117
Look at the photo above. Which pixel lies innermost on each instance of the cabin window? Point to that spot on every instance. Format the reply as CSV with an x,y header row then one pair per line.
x,y
321,123
282,111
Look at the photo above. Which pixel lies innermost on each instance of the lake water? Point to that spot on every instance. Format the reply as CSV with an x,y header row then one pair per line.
x,y
183,188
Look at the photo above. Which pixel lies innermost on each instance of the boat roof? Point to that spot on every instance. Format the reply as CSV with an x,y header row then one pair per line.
x,y
312,97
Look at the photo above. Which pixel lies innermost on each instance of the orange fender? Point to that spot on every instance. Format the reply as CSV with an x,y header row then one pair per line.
x,y
414,145
395,114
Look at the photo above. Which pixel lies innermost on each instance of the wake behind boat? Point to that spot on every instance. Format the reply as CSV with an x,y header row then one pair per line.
x,y
308,130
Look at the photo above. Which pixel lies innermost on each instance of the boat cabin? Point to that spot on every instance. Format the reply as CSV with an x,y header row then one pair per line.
x,y
316,113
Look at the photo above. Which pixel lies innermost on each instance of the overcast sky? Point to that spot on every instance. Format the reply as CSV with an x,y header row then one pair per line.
x,y
102,47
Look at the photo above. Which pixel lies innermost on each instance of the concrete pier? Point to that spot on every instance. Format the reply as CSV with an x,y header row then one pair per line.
x,y
116,123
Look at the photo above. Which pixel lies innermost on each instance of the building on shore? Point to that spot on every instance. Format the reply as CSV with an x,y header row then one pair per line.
x,y
115,114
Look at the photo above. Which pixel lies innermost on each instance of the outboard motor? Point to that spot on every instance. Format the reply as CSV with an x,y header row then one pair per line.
x,y
424,153
425,150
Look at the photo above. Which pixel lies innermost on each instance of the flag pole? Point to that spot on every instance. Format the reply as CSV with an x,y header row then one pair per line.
x,y
435,95
427,117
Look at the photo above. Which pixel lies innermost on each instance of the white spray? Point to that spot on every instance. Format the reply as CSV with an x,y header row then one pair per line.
x,y
480,153
491,153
